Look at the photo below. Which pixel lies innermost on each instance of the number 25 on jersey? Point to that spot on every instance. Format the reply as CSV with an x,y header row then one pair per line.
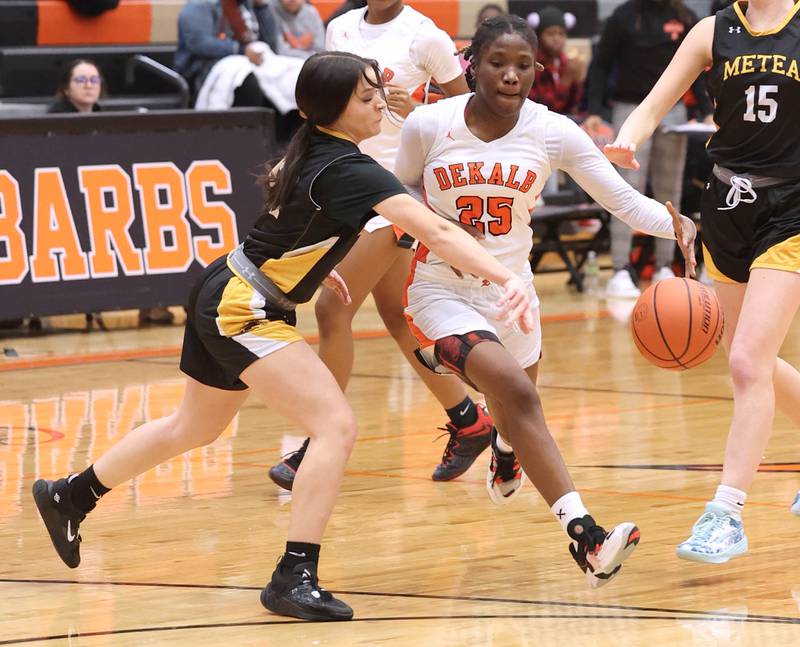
x,y
471,209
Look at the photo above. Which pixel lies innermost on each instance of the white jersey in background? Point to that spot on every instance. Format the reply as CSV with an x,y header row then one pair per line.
x,y
494,185
410,50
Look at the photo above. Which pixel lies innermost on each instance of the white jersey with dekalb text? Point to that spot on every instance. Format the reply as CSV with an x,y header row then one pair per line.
x,y
494,185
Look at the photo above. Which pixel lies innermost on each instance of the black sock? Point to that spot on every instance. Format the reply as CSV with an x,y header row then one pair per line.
x,y
85,490
463,414
298,552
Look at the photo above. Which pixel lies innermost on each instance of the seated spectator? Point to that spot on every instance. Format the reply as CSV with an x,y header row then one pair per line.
x,y
559,84
301,31
205,37
80,89
239,16
488,11
224,73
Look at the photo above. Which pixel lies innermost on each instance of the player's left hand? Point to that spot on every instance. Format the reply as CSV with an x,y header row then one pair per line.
x,y
399,100
335,282
685,233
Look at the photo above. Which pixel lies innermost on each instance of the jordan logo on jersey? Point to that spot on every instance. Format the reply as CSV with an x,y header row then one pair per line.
x,y
458,175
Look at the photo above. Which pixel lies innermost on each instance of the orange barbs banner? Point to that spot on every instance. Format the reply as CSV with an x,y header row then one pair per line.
x,y
14,262
201,176
163,202
109,211
117,211
54,232
110,216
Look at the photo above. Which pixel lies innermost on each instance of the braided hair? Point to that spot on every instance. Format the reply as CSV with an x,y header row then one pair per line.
x,y
489,31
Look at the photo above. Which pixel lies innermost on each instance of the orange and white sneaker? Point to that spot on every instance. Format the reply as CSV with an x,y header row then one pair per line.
x,y
505,477
600,554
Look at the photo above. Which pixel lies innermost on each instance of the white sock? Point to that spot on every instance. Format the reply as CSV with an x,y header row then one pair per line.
x,y
502,445
731,498
567,508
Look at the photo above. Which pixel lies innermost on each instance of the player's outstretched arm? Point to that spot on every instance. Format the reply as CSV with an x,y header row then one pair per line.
x,y
579,157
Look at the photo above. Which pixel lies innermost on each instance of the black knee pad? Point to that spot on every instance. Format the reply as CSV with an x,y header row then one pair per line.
x,y
452,351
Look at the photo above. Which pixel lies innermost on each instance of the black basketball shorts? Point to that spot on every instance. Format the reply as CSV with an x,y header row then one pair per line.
x,y
229,327
762,231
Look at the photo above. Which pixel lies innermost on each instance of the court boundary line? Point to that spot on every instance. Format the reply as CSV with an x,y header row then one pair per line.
x,y
713,615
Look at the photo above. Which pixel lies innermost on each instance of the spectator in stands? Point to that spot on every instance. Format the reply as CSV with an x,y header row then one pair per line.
x,y
639,39
301,31
249,21
80,89
488,11
205,37
560,83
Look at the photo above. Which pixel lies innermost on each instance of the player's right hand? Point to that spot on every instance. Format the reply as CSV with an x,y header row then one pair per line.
x,y
622,154
515,304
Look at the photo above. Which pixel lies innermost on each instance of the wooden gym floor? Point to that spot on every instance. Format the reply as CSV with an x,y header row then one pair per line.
x,y
179,556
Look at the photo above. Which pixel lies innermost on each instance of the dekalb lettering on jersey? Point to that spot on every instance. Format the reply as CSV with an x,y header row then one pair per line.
x,y
474,173
752,63
167,199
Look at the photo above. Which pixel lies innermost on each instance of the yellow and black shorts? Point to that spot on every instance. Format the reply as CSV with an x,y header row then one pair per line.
x,y
764,233
229,327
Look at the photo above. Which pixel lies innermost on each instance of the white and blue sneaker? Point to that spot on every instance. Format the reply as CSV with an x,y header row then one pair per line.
x,y
717,536
796,505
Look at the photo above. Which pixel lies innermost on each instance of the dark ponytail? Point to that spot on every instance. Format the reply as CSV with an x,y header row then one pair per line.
x,y
325,85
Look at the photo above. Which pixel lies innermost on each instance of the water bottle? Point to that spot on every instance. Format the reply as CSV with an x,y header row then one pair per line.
x,y
591,276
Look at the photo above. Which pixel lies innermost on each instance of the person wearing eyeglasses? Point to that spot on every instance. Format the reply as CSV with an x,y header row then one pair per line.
x,y
80,89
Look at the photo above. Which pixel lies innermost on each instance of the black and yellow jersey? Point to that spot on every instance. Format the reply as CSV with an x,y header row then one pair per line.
x,y
755,83
336,190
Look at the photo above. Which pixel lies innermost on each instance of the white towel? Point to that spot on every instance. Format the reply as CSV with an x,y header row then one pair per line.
x,y
277,76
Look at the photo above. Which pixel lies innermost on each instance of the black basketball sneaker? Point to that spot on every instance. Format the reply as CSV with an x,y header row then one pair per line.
x,y
60,518
600,554
297,593
284,472
464,446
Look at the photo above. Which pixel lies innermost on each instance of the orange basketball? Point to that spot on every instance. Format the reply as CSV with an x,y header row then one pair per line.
x,y
677,323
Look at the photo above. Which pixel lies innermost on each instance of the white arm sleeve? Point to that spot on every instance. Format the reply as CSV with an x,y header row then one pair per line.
x,y
413,151
435,52
571,150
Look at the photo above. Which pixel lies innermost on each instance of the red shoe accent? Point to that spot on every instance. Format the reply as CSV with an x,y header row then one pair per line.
x,y
633,538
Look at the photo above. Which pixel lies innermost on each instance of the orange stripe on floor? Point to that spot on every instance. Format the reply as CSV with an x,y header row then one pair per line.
x,y
169,351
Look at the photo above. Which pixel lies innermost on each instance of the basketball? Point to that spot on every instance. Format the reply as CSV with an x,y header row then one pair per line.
x,y
677,323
